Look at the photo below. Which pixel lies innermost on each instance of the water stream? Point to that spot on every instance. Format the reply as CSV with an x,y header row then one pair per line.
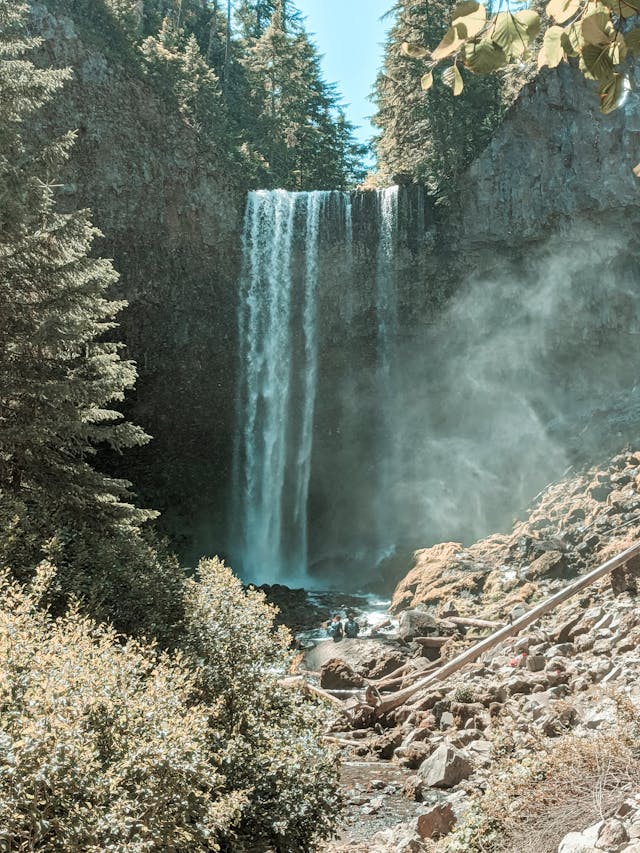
x,y
283,255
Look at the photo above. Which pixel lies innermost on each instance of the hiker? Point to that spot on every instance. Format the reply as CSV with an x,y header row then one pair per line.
x,y
334,628
351,627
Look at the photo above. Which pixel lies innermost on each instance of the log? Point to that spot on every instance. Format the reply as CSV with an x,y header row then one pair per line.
x,y
432,642
300,682
469,622
395,700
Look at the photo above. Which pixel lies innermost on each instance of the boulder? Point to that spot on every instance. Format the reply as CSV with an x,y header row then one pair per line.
x,y
446,767
436,822
336,674
581,842
415,623
612,834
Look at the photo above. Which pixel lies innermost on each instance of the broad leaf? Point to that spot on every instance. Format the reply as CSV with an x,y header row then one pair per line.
x,y
551,52
594,28
426,81
467,7
611,93
572,40
484,57
470,25
510,34
530,20
449,44
415,51
596,59
562,10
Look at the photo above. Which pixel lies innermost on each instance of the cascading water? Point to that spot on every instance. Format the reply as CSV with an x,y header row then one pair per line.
x,y
387,337
278,351
295,246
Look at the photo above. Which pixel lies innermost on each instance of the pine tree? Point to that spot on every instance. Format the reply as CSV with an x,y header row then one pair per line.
x,y
429,137
299,129
60,370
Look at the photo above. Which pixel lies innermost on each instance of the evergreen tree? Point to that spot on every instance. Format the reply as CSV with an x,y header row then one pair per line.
x,y
60,373
305,140
429,137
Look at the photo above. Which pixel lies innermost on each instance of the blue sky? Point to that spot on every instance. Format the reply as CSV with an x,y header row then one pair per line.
x,y
349,34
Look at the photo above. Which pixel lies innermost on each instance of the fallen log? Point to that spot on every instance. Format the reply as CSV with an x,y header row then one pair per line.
x,y
469,622
298,681
384,705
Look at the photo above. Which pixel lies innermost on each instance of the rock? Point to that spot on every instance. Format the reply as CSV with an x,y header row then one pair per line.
x,y
412,788
436,822
535,663
480,752
445,768
385,745
549,564
415,623
612,834
412,756
581,842
336,674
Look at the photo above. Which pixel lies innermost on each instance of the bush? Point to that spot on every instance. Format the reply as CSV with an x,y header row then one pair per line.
x,y
101,746
108,745
268,736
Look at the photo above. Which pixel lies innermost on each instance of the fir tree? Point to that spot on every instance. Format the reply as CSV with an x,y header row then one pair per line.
x,y
429,137
60,371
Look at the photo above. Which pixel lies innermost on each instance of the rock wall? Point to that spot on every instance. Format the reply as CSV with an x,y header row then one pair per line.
x,y
170,209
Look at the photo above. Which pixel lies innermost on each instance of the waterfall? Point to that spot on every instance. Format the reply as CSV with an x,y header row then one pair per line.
x,y
276,396
389,450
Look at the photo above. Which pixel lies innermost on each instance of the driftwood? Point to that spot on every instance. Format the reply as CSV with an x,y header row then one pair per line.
x,y
389,703
298,681
469,622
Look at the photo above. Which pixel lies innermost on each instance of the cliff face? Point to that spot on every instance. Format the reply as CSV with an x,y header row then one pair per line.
x,y
170,211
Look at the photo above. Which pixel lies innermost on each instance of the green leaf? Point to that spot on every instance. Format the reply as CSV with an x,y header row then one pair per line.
x,y
414,51
594,28
466,7
453,78
596,60
426,81
551,52
530,20
562,10
611,93
449,44
470,25
484,57
572,40
510,34
632,41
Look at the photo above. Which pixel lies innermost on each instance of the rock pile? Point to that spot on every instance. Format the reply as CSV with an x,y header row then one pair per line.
x,y
618,834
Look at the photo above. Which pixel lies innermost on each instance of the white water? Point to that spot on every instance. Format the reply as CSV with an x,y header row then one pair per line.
x,y
279,348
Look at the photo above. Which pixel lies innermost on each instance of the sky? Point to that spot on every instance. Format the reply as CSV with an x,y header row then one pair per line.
x,y
350,35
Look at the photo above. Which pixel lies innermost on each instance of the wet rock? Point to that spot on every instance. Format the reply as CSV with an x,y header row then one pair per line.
x,y
551,564
437,822
336,674
446,767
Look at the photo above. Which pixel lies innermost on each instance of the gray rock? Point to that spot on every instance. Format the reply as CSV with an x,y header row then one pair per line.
x,y
415,623
446,767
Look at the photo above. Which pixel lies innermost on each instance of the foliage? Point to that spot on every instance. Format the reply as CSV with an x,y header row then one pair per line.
x,y
598,34
102,748
430,138
568,781
268,736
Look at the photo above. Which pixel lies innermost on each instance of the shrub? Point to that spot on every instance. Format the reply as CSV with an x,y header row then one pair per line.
x,y
101,745
268,736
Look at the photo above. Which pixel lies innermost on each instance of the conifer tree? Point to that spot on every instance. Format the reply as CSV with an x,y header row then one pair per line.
x,y
429,137
60,371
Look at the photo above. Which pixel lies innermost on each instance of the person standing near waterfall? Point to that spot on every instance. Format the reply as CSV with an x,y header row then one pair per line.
x,y
351,627
334,628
